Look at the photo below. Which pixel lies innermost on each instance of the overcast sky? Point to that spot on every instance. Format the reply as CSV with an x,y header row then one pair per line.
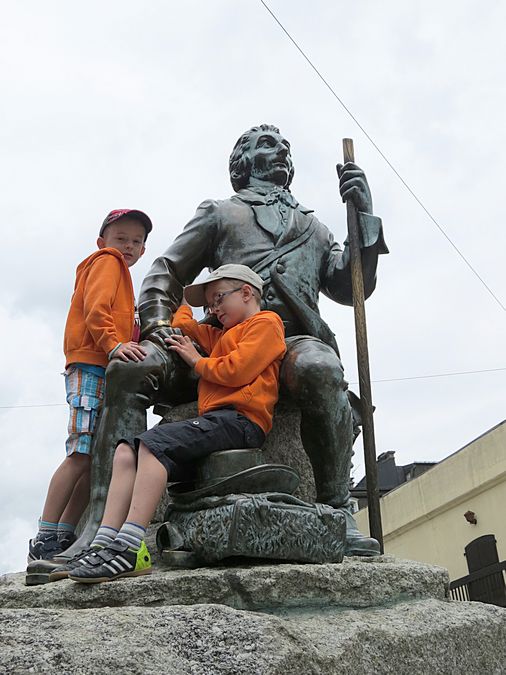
x,y
137,105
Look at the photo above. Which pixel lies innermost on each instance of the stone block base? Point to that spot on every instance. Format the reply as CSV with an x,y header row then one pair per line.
x,y
377,616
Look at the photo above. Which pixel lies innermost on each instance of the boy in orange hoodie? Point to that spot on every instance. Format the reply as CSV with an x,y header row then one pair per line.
x,y
238,389
100,326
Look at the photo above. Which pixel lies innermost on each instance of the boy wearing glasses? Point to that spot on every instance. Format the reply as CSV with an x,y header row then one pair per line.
x,y
237,391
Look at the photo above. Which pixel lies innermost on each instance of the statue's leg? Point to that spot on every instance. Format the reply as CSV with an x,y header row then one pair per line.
x,y
313,376
130,388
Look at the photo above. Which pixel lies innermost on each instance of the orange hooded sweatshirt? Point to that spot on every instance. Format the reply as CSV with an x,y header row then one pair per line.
x,y
242,369
101,310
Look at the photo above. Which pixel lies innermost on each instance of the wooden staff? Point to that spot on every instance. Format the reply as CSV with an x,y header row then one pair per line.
x,y
357,282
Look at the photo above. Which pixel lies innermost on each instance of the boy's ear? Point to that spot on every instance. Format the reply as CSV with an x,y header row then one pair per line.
x,y
143,250
101,243
247,292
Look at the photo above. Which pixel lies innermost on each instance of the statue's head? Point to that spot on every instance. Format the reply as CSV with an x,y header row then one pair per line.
x,y
263,153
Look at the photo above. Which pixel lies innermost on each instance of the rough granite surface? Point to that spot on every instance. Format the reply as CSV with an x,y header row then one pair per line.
x,y
380,615
357,582
423,636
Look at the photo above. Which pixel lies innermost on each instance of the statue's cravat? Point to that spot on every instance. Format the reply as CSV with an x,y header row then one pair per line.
x,y
271,209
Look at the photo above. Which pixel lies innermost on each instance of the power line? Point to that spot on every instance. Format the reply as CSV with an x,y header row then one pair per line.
x,y
393,379
34,405
369,138
426,377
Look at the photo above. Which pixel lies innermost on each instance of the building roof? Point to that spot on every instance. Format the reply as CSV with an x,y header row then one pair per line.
x,y
390,475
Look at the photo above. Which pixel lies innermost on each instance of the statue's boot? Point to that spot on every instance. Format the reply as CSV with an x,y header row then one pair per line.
x,y
313,375
329,467
131,387
356,542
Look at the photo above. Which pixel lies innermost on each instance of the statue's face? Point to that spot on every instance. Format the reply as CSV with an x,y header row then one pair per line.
x,y
270,158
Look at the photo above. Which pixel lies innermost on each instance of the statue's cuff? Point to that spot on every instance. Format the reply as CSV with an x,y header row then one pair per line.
x,y
371,231
161,323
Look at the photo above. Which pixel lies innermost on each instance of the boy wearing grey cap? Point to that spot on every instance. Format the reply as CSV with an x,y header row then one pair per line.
x,y
237,391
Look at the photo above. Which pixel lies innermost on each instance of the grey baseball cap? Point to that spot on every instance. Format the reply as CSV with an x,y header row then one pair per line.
x,y
195,294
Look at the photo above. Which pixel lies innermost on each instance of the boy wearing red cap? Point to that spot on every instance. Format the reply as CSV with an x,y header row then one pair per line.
x,y
100,326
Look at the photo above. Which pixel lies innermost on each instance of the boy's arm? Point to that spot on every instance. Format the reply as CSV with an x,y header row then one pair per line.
x,y
99,291
206,336
262,343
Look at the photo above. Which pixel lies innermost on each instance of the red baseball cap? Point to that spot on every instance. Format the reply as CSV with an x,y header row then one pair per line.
x,y
115,215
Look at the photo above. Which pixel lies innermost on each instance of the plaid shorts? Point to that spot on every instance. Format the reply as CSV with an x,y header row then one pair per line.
x,y
85,392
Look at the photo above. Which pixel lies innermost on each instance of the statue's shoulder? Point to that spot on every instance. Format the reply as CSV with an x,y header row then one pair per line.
x,y
209,204
218,204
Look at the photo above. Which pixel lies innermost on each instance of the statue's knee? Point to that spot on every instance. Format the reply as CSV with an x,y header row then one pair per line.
x,y
333,373
123,375
317,370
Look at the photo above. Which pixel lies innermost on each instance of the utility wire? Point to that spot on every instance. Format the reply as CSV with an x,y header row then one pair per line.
x,y
34,405
393,379
369,138
426,377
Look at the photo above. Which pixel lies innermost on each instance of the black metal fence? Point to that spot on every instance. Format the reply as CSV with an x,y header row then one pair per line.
x,y
485,585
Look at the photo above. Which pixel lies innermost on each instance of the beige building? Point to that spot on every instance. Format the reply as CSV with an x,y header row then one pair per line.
x,y
423,519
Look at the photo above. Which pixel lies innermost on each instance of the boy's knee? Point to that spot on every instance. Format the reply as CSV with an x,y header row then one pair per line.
x,y
79,463
124,456
79,459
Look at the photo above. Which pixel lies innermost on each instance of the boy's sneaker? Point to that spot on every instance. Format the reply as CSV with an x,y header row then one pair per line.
x,y
114,562
45,571
66,539
81,558
45,546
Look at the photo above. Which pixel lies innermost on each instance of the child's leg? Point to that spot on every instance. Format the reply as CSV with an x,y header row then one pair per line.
x,y
150,483
62,485
147,489
121,487
119,495
127,555
78,500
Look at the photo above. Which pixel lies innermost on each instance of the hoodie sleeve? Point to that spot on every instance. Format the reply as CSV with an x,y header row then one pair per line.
x,y
263,343
100,290
205,335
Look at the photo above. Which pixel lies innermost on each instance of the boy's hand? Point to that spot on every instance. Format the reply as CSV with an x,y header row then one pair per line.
x,y
158,335
182,345
130,351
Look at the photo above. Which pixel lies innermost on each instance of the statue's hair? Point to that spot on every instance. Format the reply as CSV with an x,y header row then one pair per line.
x,y
240,162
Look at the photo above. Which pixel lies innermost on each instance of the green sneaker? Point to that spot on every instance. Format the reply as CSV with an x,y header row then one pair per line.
x,y
113,562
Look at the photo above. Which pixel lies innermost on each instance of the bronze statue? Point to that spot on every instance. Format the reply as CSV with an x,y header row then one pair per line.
x,y
263,226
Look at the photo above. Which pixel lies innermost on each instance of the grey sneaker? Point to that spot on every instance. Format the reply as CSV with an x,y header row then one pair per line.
x,y
45,546
46,571
66,539
113,562
81,558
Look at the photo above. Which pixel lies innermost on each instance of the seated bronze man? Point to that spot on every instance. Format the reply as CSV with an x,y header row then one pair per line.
x,y
264,227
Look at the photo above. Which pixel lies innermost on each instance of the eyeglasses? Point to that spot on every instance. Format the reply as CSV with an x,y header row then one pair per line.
x,y
219,297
